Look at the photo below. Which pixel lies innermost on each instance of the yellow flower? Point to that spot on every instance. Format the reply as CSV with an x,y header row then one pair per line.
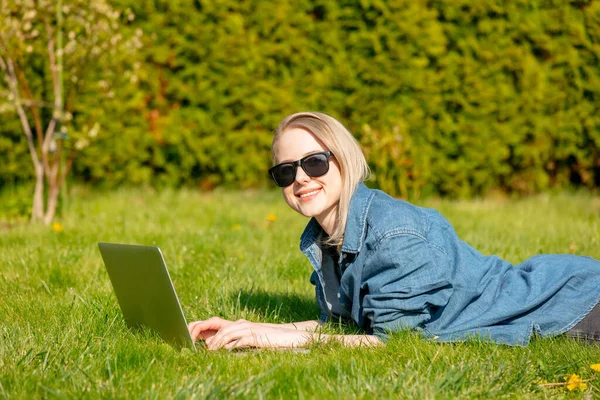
x,y
271,218
575,382
236,227
572,248
595,367
57,227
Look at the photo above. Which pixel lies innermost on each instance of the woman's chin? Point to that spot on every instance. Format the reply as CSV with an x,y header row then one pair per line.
x,y
308,214
309,210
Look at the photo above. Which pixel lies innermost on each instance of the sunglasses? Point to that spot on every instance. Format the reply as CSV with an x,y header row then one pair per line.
x,y
315,165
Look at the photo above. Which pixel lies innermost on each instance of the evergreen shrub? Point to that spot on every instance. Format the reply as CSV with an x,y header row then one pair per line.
x,y
448,97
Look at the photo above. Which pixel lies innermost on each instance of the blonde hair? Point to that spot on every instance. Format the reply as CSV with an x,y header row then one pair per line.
x,y
337,139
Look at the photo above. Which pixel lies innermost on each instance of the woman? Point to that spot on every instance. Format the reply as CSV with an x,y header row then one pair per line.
x,y
389,265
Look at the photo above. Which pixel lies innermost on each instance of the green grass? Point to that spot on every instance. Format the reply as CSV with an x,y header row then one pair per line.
x,y
62,334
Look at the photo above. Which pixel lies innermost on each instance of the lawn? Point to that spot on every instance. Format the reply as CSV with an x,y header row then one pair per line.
x,y
235,255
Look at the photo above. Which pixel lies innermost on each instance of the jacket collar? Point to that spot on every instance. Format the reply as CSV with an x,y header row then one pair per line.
x,y
311,235
355,224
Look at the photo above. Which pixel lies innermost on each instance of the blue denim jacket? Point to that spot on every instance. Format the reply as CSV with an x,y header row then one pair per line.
x,y
403,266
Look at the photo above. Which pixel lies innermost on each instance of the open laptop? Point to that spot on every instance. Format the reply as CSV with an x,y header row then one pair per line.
x,y
145,291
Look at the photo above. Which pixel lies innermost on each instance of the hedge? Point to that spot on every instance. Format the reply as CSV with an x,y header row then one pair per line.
x,y
447,97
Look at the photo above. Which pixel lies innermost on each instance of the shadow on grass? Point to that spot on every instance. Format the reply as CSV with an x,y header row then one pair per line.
x,y
277,306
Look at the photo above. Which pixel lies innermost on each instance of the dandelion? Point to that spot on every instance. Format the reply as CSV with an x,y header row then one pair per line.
x,y
575,382
57,227
595,367
270,220
236,227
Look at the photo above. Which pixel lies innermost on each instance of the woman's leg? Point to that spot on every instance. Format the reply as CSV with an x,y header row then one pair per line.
x,y
589,327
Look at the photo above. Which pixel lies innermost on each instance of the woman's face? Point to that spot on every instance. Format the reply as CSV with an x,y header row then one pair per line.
x,y
312,197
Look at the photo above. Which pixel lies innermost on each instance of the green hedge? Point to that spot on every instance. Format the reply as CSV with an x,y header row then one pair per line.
x,y
452,97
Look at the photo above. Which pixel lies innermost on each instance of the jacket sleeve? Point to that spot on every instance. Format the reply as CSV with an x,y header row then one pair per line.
x,y
404,286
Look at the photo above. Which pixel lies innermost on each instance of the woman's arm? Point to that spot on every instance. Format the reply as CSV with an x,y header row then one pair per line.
x,y
405,283
220,333
309,326
355,340
346,340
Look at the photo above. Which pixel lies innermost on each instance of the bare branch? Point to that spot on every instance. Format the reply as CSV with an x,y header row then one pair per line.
x,y
36,103
32,104
63,174
56,114
37,209
9,71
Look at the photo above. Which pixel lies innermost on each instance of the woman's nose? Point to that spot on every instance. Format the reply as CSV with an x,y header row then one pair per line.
x,y
301,176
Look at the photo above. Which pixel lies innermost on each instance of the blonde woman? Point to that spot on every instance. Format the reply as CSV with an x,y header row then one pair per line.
x,y
389,265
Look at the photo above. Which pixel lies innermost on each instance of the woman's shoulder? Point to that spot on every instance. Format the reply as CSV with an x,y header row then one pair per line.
x,y
388,216
375,216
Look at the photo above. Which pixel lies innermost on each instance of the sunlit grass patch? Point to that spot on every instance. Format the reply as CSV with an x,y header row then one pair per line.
x,y
235,255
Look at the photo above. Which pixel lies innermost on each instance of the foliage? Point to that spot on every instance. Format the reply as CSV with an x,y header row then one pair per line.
x,y
448,97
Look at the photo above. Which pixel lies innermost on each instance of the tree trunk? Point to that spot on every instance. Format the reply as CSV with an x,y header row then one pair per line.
x,y
37,209
51,206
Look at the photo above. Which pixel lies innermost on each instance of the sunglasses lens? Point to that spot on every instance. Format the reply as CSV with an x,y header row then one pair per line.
x,y
284,175
316,165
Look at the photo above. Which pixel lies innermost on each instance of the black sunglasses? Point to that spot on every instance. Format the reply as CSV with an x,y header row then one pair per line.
x,y
315,165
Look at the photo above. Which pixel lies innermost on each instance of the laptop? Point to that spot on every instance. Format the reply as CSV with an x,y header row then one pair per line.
x,y
145,292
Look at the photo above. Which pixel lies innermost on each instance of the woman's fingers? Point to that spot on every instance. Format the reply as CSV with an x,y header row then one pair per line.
x,y
205,335
240,343
239,330
226,336
219,333
196,331
208,328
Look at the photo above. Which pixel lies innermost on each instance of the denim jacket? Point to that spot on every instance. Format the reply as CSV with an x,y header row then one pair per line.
x,y
403,267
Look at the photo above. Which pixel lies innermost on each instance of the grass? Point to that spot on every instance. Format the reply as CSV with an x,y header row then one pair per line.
x,y
62,334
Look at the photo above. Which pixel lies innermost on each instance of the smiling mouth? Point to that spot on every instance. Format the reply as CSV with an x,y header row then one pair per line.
x,y
309,194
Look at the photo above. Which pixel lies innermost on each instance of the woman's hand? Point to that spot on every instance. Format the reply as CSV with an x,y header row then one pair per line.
x,y
220,333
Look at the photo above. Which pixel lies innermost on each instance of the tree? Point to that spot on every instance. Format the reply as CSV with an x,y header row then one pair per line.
x,y
51,54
